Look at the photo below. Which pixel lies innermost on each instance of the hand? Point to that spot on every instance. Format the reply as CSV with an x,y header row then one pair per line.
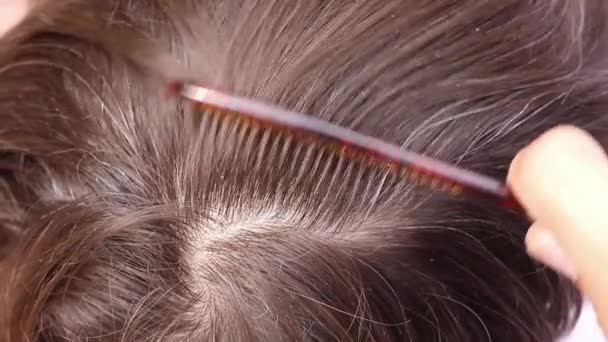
x,y
561,179
11,13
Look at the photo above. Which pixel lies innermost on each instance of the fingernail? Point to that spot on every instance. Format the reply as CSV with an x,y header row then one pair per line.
x,y
544,247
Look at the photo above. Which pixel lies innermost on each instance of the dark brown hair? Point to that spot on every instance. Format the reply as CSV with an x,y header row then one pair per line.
x,y
127,216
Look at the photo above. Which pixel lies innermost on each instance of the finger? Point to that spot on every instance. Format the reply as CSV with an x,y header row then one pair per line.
x,y
542,244
11,13
562,181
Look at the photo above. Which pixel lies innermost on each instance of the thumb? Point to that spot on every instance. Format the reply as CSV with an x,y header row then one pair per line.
x,y
11,13
561,179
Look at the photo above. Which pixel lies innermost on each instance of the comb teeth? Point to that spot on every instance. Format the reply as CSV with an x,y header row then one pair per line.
x,y
366,150
260,131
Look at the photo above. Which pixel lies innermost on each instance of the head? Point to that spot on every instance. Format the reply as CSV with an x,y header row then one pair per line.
x,y
127,215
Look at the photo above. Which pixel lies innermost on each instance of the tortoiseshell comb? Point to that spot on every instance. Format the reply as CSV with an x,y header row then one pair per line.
x,y
348,143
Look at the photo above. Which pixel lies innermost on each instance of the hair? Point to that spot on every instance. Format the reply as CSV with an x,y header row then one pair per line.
x,y
127,215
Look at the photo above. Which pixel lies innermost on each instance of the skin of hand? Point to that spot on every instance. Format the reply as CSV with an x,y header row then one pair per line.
x,y
11,13
561,179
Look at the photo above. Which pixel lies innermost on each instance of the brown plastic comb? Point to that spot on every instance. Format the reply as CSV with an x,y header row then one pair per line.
x,y
410,165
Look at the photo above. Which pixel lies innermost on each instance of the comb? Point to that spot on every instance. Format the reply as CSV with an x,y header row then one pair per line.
x,y
350,144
